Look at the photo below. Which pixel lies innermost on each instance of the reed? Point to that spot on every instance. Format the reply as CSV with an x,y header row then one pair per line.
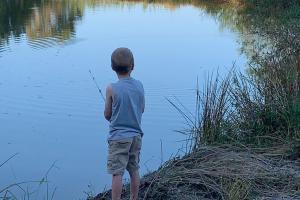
x,y
260,108
20,190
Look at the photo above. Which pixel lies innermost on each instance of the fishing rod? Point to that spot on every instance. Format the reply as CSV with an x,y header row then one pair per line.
x,y
100,91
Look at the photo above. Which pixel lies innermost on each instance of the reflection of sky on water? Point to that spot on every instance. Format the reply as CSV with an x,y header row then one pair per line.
x,y
51,111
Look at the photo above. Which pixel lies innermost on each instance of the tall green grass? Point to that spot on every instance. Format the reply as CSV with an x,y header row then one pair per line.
x,y
259,108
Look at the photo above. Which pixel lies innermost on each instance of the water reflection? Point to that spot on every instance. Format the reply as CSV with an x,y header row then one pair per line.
x,y
52,23
48,23
45,23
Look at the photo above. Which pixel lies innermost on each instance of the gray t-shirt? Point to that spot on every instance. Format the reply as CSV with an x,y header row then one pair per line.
x,y
127,109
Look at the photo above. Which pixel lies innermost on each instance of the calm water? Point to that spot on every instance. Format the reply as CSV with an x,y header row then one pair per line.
x,y
50,110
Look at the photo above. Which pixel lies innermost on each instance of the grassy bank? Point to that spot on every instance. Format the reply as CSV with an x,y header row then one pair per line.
x,y
222,172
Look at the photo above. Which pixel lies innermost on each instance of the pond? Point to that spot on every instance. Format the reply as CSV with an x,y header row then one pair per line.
x,y
51,113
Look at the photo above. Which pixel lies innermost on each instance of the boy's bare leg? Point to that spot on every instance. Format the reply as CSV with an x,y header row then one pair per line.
x,y
116,187
134,184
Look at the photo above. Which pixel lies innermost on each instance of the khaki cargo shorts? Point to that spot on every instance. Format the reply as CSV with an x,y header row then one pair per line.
x,y
124,154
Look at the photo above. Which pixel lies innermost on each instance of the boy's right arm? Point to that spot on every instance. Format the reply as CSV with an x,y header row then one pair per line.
x,y
108,103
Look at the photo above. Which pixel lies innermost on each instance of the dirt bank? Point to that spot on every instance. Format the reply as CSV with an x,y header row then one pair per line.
x,y
224,172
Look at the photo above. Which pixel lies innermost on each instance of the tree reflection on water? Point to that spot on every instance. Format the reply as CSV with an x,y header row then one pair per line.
x,y
51,21
46,22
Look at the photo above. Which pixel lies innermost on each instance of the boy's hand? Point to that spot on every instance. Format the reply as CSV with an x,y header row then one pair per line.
x,y
108,103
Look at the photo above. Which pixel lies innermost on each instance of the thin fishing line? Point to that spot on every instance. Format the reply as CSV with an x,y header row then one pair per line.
x,y
94,80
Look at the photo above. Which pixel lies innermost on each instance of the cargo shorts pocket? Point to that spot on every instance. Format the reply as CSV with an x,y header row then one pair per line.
x,y
134,154
118,156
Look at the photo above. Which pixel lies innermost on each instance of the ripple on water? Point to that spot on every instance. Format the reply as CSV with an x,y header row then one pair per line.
x,y
42,43
46,42
54,103
3,48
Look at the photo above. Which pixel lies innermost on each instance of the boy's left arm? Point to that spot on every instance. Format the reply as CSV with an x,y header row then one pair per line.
x,y
108,103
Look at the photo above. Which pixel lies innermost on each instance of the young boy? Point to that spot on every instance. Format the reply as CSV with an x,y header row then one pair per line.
x,y
124,106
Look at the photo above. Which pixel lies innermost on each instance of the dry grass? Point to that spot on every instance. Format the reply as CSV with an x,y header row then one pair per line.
x,y
223,172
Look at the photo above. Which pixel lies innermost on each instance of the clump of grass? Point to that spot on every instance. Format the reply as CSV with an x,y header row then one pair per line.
x,y
215,105
21,190
209,123
272,89
261,108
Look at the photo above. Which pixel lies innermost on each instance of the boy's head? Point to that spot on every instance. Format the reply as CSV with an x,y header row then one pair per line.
x,y
122,61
